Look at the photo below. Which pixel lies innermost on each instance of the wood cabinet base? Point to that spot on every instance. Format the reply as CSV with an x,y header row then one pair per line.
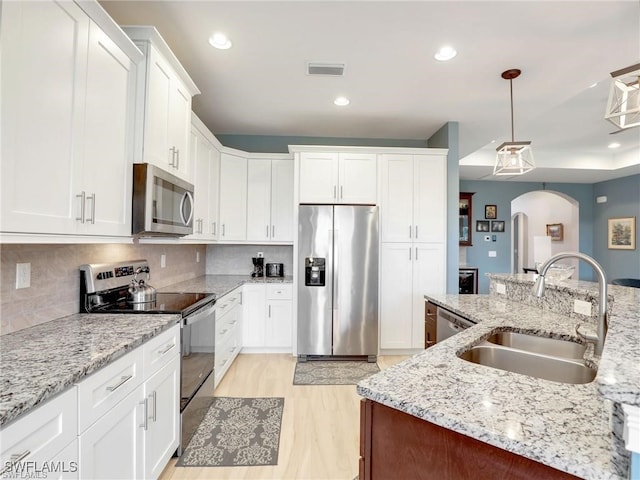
x,y
394,444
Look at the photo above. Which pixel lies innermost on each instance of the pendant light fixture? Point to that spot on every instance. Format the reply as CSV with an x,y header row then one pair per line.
x,y
623,107
513,158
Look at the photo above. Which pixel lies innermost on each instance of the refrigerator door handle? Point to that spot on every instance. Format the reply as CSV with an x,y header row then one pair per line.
x,y
334,270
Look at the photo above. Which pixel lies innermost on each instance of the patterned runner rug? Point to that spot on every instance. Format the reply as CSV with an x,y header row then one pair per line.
x,y
236,432
332,372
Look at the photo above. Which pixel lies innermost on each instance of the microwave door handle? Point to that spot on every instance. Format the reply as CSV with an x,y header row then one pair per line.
x,y
187,195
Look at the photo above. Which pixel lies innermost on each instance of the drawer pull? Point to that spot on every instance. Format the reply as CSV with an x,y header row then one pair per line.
x,y
166,349
122,381
155,401
13,459
145,412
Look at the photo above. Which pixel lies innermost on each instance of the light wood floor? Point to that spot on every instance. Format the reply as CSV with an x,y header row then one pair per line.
x,y
320,424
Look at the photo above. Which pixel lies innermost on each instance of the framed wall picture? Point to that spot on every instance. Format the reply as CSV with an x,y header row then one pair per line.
x,y
555,231
497,225
482,225
621,233
490,212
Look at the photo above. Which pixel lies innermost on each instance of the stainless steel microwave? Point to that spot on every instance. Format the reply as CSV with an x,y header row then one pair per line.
x,y
162,203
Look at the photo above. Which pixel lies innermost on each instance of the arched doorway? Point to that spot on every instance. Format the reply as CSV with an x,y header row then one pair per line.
x,y
531,213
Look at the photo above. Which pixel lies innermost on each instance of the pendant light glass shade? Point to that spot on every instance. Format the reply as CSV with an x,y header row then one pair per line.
x,y
623,107
513,158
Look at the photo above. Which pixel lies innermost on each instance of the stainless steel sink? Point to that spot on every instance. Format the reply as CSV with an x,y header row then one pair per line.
x,y
536,344
540,357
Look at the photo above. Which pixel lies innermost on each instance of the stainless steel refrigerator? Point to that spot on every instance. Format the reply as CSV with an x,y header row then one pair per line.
x,y
337,281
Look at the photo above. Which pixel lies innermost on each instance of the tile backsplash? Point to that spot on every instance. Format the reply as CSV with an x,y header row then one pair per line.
x,y
55,279
236,259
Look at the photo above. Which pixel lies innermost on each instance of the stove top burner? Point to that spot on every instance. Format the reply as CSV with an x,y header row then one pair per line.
x,y
183,303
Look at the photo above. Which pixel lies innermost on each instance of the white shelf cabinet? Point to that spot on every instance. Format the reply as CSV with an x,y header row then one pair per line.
x,y
408,271
269,200
268,317
164,105
79,149
413,204
129,410
206,165
228,334
331,178
233,198
45,434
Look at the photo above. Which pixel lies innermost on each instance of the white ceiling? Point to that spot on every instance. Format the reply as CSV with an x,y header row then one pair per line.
x,y
398,90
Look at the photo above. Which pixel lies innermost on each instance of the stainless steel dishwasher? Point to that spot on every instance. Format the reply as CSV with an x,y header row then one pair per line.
x,y
448,324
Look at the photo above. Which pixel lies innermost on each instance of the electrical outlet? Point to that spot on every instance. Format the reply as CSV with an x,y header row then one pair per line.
x,y
23,275
163,261
582,307
501,288
260,254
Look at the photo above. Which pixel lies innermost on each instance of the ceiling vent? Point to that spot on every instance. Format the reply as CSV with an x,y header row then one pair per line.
x,y
328,69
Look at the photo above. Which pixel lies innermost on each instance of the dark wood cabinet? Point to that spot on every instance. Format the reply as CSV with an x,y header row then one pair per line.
x,y
430,324
394,444
465,219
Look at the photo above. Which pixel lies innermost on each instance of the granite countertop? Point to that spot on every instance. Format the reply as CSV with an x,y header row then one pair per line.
x,y
38,362
220,284
568,427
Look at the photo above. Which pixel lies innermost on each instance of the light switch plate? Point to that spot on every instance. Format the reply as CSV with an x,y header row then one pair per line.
x,y
582,307
163,261
197,257
493,253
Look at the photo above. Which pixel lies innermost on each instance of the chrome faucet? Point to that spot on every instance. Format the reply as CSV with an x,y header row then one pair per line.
x,y
601,332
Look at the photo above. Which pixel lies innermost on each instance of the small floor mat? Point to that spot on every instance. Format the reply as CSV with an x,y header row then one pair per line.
x,y
332,372
236,432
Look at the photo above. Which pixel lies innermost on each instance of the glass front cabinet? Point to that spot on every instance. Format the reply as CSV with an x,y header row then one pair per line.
x,y
465,219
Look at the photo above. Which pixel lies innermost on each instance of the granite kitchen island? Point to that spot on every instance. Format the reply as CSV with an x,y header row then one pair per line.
x,y
574,428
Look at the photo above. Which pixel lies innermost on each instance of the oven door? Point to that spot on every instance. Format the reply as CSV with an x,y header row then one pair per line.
x,y
198,351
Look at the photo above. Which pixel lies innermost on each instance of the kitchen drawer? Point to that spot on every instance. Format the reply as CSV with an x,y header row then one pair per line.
x,y
279,291
160,350
225,355
225,303
227,324
42,433
101,391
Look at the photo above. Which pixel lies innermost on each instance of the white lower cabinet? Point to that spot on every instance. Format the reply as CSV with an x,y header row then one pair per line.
x,y
407,272
42,443
268,317
228,341
129,412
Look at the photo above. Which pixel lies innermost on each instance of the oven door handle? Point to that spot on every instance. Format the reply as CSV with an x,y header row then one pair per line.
x,y
200,314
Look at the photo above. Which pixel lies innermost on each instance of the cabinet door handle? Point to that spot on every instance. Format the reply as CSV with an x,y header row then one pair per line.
x,y
92,197
154,410
214,228
410,231
223,230
334,191
273,231
269,311
341,193
416,253
240,298
124,379
82,198
145,412
172,162
416,231
409,253
177,166
267,235
166,349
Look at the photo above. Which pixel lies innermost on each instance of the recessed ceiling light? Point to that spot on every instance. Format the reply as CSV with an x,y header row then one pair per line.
x,y
445,53
614,145
220,41
341,101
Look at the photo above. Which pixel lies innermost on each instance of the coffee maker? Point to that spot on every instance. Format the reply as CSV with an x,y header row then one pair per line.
x,y
258,267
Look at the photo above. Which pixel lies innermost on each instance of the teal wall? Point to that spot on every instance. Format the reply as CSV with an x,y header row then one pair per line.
x,y
275,144
447,137
501,194
623,200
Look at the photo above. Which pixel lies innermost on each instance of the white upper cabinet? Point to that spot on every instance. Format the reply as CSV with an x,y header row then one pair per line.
x,y
164,105
233,198
205,158
270,200
67,114
414,203
327,177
